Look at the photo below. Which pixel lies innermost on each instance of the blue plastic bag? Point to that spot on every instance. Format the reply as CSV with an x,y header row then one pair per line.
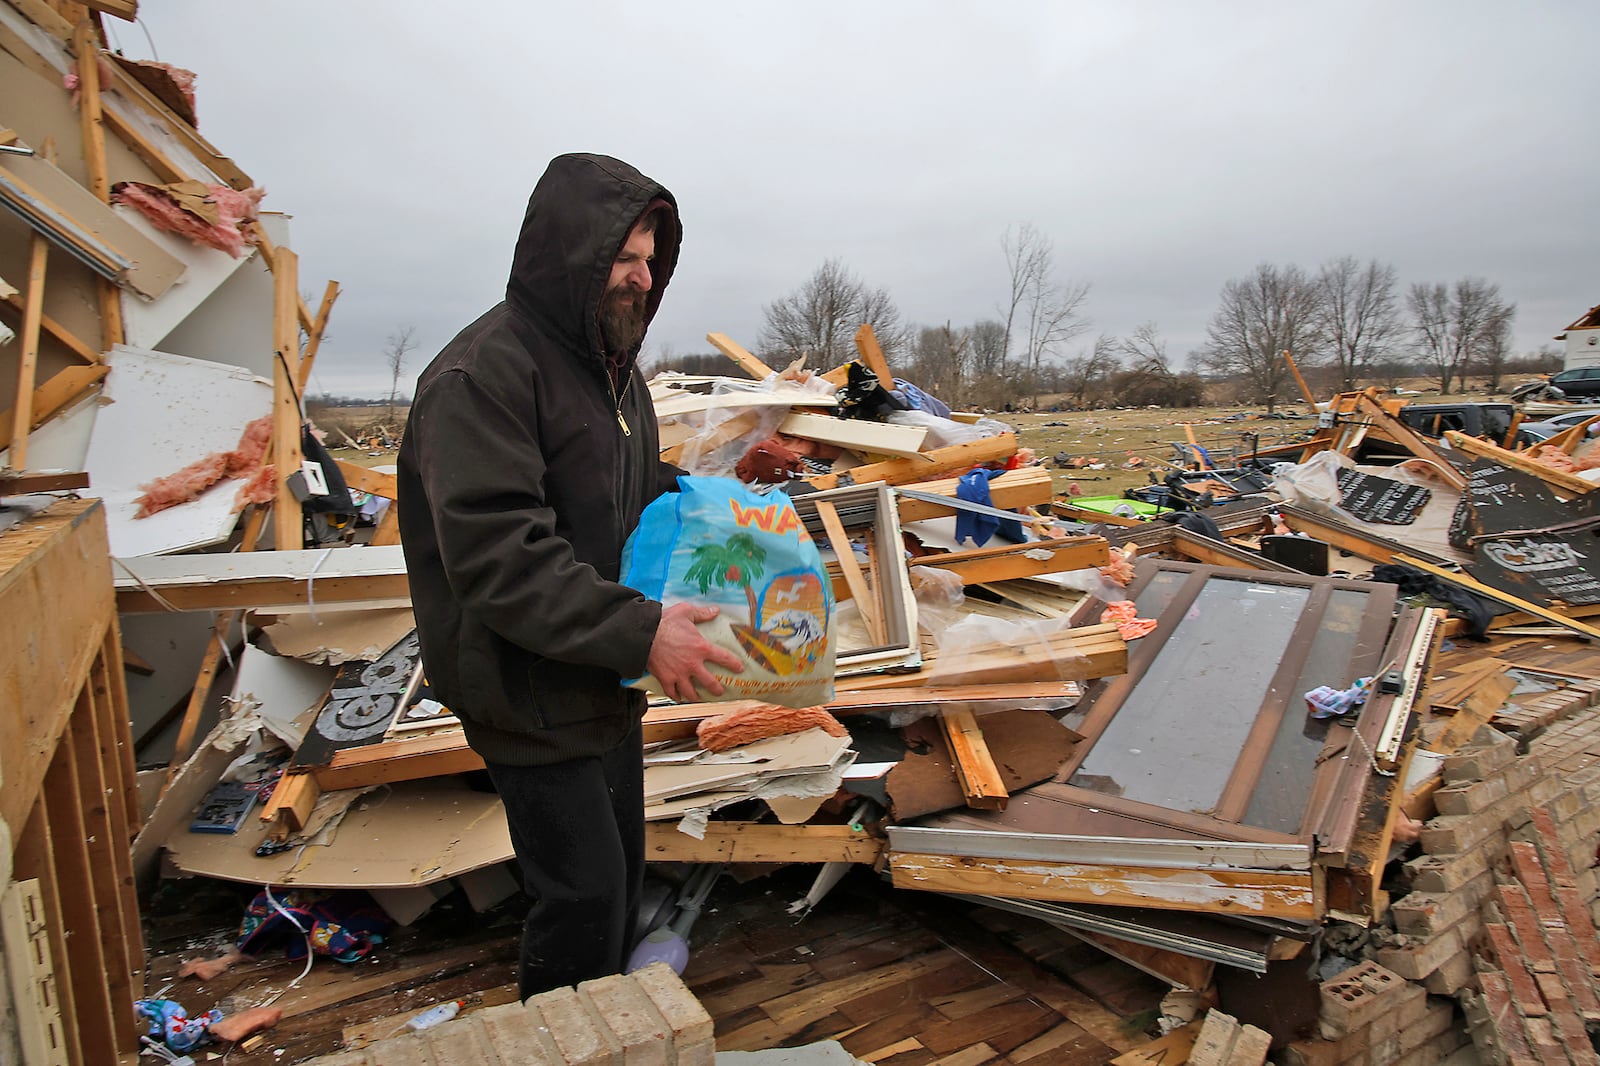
x,y
716,543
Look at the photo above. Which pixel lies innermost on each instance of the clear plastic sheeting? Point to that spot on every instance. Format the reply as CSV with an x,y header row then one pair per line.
x,y
975,648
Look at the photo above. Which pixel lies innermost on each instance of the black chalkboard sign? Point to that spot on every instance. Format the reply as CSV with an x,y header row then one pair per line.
x,y
1378,499
1503,511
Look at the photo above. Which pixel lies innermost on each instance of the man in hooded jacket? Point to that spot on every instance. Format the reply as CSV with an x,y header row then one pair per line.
x,y
530,451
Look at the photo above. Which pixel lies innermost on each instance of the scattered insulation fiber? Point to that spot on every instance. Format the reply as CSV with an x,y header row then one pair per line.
x,y
746,725
243,461
1125,615
212,215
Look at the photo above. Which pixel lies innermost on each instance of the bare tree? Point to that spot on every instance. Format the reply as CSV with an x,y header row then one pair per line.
x,y
1451,323
1494,347
1086,377
1051,312
1257,319
1028,256
394,353
941,360
820,318
1359,315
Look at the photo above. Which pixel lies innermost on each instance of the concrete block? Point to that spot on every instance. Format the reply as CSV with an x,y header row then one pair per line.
x,y
1476,762
1352,999
1470,799
1444,874
581,1038
622,1005
462,1040
518,1034
411,1049
1250,1047
1214,1045
693,1036
1419,957
1452,834
1429,914
1451,976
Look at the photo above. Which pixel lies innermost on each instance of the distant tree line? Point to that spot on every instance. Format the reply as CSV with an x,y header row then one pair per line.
x,y
1347,324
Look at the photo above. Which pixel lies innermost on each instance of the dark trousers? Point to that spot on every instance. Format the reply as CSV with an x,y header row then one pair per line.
x,y
578,831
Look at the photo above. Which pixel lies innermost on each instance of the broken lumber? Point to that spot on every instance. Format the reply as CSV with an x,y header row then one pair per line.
x,y
1560,480
975,769
751,842
1028,559
745,361
1076,654
1472,584
872,356
935,463
1028,486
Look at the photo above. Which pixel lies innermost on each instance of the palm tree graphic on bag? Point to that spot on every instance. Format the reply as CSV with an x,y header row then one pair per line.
x,y
786,637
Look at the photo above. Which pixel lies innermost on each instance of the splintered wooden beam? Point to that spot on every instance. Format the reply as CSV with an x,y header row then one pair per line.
x,y
61,333
981,565
746,361
308,358
752,842
935,463
1408,438
63,390
980,778
399,760
1560,480
1567,439
872,356
369,481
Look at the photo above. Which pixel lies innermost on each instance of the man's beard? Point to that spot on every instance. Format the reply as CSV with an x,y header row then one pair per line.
x,y
622,319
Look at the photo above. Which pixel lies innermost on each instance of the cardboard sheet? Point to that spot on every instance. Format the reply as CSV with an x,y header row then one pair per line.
x,y
412,833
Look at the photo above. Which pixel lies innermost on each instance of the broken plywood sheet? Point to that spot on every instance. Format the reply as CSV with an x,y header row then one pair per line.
x,y
1525,540
412,833
335,637
1027,747
745,766
282,691
161,412
277,581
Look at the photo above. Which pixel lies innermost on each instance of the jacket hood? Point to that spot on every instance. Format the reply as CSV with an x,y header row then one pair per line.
x,y
578,217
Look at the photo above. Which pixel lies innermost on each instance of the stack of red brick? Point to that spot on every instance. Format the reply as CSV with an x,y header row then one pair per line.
x,y
646,1018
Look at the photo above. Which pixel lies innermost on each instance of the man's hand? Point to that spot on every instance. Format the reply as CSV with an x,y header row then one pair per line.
x,y
679,654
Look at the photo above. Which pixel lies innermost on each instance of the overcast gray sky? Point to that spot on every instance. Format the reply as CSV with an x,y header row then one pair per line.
x,y
1163,148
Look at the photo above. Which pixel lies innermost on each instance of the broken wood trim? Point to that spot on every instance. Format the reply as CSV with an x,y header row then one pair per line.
x,y
1076,654
1029,559
1278,856
1202,549
1559,480
976,771
855,581
1472,584
288,530
935,463
872,356
856,435
1247,892
740,356
726,842
49,219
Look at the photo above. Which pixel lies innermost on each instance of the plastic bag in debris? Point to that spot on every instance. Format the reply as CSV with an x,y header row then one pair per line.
x,y
716,543
982,650
944,432
727,435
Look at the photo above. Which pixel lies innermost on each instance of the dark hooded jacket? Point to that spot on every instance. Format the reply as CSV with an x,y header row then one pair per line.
x,y
523,470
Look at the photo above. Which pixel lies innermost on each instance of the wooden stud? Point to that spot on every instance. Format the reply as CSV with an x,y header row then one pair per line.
x,y
1299,379
86,964
1569,438
122,803
269,255
288,533
746,362
47,18
1476,710
28,359
388,530
63,390
980,778
1029,486
1006,562
1408,438
66,337
752,842
1560,480
872,356
289,809
123,9
369,481
201,693
34,857
143,148
94,158
314,333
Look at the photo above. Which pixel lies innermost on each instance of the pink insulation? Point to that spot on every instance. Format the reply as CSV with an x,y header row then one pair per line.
x,y
243,461
212,215
746,725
